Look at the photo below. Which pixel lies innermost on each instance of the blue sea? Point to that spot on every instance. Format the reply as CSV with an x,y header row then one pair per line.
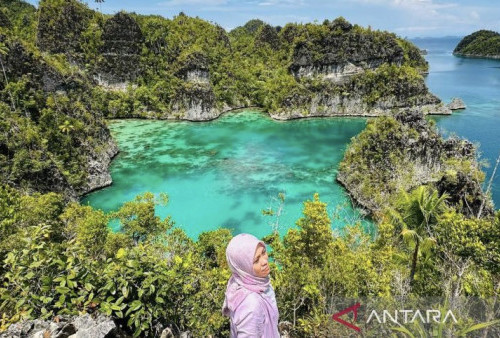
x,y
477,82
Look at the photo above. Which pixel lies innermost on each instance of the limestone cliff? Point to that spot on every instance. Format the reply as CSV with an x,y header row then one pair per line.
x,y
345,50
34,128
398,153
195,102
122,41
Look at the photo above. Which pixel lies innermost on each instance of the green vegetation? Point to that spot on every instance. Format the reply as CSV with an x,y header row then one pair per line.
x,y
171,64
482,43
64,70
59,259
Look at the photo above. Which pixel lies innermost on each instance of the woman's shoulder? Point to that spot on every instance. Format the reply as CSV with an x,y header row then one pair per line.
x,y
253,301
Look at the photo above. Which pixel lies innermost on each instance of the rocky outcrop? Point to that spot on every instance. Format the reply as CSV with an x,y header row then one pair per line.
x,y
83,326
321,106
456,103
195,102
86,326
122,42
401,153
344,51
20,61
361,98
61,25
98,175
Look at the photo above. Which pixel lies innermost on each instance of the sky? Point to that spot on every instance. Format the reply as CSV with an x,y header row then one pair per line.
x,y
407,18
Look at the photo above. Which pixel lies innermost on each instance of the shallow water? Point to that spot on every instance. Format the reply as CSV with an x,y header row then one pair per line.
x,y
477,82
223,173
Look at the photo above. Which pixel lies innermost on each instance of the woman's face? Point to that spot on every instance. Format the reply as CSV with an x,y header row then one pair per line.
x,y
260,264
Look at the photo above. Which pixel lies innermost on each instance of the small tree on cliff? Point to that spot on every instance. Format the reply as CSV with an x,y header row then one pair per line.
x,y
415,217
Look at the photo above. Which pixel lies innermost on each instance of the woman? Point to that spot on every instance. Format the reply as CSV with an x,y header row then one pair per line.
x,y
250,300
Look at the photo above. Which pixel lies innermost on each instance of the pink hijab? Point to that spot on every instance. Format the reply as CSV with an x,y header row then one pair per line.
x,y
240,253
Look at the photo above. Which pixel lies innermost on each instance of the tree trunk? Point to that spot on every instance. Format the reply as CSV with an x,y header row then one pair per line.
x,y
7,83
488,189
414,262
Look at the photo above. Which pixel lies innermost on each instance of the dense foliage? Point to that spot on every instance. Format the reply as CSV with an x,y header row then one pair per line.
x,y
65,69
482,43
154,67
63,259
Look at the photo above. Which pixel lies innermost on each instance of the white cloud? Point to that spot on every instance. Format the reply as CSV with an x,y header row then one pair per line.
x,y
409,4
193,2
282,3
474,15
416,29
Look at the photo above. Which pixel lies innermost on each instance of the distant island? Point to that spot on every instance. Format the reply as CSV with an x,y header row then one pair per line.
x,y
480,44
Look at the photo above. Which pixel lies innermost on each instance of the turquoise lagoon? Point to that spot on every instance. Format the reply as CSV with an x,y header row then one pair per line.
x,y
223,173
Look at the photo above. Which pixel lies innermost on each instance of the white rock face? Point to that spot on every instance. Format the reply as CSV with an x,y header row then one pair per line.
x,y
88,327
98,168
336,72
456,103
198,75
106,84
197,112
354,106
85,326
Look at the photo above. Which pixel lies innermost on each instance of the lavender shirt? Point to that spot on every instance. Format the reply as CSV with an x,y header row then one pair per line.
x,y
252,319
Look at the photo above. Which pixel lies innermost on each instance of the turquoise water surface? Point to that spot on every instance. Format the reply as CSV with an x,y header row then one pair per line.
x,y
477,82
223,173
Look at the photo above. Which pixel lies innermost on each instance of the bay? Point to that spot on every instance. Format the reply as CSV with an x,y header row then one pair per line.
x,y
223,173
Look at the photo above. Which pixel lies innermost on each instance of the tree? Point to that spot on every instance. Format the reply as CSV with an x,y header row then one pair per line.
x,y
66,127
488,189
418,211
88,227
314,239
138,219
